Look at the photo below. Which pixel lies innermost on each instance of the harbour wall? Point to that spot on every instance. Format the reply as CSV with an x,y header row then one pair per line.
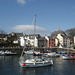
x,y
19,49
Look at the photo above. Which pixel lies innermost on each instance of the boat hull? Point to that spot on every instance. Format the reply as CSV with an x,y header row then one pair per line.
x,y
53,54
34,54
68,57
9,54
36,64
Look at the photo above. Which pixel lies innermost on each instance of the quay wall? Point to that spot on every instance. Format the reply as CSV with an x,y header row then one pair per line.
x,y
19,49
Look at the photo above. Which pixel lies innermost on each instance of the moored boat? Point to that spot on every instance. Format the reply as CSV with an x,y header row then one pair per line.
x,y
7,53
34,62
2,53
29,52
38,62
52,54
62,52
37,54
70,56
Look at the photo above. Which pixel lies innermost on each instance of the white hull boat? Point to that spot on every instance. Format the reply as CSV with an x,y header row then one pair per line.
x,y
66,57
28,52
35,63
52,54
7,53
2,53
31,52
70,56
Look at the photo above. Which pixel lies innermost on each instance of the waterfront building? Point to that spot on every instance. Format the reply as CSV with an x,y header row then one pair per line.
x,y
59,39
56,39
52,41
42,42
3,37
47,38
31,40
22,41
63,40
15,36
74,40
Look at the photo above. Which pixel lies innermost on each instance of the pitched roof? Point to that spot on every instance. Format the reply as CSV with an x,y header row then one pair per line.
x,y
55,33
42,38
19,34
31,36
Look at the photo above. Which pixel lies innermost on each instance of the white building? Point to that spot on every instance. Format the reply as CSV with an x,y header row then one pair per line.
x,y
29,41
56,42
74,40
47,38
36,42
22,41
60,40
63,40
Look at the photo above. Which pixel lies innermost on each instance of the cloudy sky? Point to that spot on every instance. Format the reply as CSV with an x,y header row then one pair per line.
x,y
29,29
18,15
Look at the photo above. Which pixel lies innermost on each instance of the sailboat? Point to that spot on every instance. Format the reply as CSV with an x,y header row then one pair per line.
x,y
34,62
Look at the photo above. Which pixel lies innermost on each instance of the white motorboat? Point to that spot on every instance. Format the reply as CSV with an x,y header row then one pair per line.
x,y
52,54
28,52
7,53
31,52
2,53
70,56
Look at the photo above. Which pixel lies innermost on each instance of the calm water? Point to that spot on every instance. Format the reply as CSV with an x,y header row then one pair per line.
x,y
9,66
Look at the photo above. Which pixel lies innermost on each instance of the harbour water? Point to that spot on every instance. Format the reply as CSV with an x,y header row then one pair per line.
x,y
9,66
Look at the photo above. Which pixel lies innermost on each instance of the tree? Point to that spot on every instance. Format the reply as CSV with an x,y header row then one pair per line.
x,y
2,32
71,33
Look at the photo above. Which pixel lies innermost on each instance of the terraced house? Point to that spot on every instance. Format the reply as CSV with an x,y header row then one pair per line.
x,y
59,39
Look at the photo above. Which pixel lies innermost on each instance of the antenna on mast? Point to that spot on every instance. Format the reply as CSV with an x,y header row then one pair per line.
x,y
58,28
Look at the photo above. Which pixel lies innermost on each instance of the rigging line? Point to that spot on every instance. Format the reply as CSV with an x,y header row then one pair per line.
x,y
34,24
31,28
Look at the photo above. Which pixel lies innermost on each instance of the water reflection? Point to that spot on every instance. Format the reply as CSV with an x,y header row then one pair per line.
x,y
36,71
9,66
73,61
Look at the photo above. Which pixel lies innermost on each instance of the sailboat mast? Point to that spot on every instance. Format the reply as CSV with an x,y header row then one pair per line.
x,y
35,25
34,30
